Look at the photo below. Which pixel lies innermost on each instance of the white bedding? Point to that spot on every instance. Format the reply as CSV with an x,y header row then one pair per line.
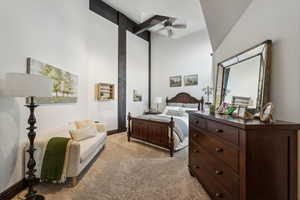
x,y
180,138
185,118
178,144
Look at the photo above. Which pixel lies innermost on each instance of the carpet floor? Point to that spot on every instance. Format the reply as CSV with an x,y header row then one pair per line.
x,y
131,171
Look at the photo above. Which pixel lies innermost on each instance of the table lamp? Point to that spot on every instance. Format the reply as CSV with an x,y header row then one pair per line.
x,y
157,101
29,85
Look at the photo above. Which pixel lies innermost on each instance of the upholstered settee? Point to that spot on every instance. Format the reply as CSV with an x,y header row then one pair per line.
x,y
81,153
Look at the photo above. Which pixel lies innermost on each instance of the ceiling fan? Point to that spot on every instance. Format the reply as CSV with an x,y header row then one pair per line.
x,y
170,25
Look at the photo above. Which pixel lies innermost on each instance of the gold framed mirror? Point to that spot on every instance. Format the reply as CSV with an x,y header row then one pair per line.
x,y
244,79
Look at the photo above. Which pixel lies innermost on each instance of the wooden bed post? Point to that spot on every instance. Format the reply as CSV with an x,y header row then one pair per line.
x,y
172,137
129,127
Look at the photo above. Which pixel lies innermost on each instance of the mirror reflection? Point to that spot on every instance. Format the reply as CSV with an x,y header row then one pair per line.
x,y
241,83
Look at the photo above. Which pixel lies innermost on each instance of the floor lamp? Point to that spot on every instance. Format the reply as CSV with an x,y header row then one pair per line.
x,y
29,85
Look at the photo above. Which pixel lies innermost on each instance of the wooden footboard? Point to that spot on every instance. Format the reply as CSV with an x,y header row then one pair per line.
x,y
155,132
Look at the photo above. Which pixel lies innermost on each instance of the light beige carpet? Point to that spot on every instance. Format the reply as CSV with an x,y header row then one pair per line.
x,y
131,171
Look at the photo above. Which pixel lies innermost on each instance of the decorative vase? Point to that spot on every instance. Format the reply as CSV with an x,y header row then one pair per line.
x,y
212,109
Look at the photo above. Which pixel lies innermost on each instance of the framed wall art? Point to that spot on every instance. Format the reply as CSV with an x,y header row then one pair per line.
x,y
191,80
65,84
137,97
175,81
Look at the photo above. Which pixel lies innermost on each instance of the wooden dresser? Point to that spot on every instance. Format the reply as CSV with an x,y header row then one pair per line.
x,y
235,159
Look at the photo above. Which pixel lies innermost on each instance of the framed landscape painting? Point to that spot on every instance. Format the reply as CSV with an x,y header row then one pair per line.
x,y
65,84
191,80
175,81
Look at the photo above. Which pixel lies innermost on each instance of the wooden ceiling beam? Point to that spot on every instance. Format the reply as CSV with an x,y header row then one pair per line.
x,y
149,23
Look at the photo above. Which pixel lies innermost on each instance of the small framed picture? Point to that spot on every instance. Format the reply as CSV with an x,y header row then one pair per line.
x,y
242,112
137,97
191,80
266,114
175,81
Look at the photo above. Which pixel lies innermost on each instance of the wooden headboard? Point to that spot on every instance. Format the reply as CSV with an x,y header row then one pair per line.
x,y
185,98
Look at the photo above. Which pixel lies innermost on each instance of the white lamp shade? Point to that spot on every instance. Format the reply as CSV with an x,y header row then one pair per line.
x,y
27,85
158,100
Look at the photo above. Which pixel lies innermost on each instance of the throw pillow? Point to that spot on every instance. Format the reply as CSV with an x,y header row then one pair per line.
x,y
100,127
84,123
83,133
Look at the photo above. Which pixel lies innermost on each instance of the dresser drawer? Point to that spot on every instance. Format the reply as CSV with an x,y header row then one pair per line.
x,y
215,190
197,122
226,153
228,133
216,168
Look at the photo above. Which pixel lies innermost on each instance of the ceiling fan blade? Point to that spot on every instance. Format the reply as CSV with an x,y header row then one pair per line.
x,y
179,26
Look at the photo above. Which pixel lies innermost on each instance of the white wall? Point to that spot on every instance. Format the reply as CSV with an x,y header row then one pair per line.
x,y
184,56
137,74
278,21
103,67
65,34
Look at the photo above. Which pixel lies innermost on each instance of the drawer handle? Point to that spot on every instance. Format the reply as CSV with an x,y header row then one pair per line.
x,y
197,122
218,172
219,131
219,150
196,167
219,195
196,135
196,151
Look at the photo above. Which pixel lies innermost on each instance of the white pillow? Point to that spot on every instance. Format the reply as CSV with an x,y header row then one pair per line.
x,y
170,108
177,113
175,104
190,105
84,123
190,109
167,108
83,133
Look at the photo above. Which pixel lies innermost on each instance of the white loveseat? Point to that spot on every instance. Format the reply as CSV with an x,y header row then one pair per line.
x,y
81,153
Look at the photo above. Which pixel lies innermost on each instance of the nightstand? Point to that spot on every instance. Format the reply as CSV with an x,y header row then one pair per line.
x,y
152,113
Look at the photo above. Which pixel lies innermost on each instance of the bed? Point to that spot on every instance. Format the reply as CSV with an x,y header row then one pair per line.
x,y
168,130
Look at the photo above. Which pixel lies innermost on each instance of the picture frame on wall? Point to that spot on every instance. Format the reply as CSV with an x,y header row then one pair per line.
x,y
65,84
105,92
137,97
175,81
191,80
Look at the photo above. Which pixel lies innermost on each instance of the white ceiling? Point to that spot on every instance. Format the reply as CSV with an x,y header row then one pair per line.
x,y
188,11
221,16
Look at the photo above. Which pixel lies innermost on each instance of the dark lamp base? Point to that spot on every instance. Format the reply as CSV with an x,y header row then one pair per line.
x,y
36,197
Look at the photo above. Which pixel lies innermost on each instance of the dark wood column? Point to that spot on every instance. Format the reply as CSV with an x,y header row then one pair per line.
x,y
150,63
125,24
122,21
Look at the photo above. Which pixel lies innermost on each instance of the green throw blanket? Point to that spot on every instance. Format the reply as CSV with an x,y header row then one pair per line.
x,y
54,159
